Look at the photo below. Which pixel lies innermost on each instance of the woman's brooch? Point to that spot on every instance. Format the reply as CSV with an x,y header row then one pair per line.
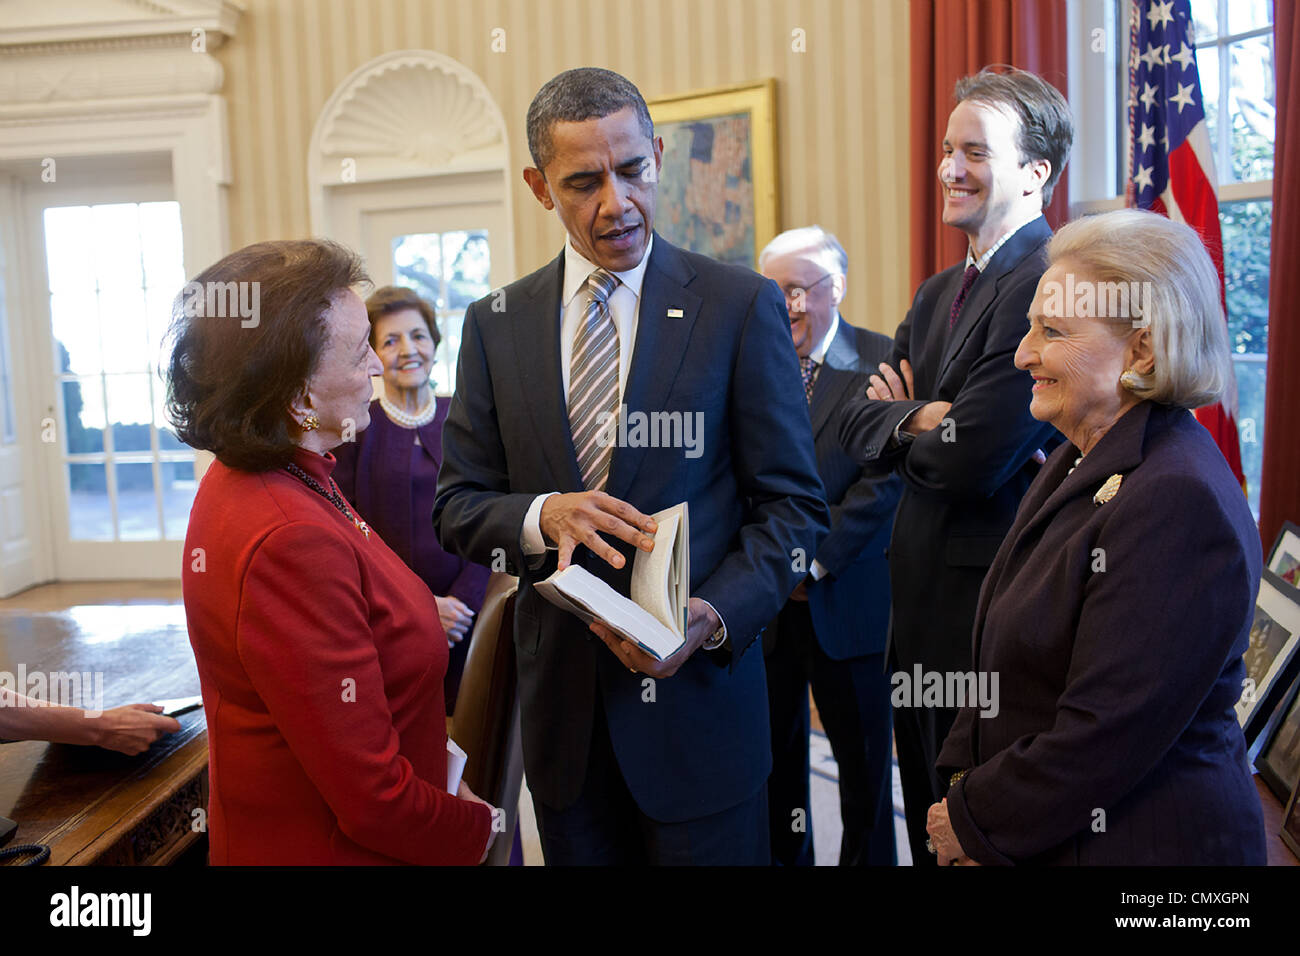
x,y
1108,490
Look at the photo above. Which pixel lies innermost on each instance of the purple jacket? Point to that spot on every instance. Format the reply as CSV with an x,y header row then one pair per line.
x,y
374,474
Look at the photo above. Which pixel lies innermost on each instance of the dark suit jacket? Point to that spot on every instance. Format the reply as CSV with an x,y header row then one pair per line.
x,y
1117,685
850,606
374,473
961,485
702,745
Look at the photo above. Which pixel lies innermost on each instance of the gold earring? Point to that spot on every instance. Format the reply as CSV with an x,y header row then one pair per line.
x,y
311,422
1129,379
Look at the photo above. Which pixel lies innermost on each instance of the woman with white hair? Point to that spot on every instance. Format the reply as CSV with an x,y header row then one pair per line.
x,y
1119,605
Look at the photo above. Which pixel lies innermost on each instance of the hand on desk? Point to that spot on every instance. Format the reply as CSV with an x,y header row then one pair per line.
x,y
579,518
702,623
130,729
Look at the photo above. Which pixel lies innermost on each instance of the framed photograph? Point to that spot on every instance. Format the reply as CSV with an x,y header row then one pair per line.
x,y
1270,658
1290,831
1278,761
717,189
1284,559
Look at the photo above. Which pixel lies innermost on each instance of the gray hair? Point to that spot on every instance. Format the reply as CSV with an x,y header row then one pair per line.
x,y
577,95
1182,300
810,242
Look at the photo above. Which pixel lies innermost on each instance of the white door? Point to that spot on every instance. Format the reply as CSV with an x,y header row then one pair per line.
x,y
108,263
444,236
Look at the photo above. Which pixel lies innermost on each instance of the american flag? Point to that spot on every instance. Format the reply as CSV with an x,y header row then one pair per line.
x,y
1171,165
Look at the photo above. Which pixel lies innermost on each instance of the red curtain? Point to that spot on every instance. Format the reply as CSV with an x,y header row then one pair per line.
x,y
1279,493
950,39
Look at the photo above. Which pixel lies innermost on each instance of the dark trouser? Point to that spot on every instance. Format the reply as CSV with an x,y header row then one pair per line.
x,y
605,827
853,702
919,733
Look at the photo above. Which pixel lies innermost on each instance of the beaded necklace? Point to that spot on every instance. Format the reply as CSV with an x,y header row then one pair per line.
x,y
333,496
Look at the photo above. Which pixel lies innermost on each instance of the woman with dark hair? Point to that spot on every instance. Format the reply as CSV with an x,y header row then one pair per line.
x,y
390,473
321,683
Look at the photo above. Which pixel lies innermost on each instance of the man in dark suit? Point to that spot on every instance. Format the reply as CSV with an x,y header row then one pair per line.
x,y
831,633
949,411
630,759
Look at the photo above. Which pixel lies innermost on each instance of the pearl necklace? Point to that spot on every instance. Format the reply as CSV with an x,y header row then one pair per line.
x,y
406,419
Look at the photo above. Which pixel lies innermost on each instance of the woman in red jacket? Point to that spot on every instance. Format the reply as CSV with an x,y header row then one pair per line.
x,y
319,652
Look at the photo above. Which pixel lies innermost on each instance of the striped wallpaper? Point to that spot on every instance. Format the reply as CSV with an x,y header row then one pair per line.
x,y
841,105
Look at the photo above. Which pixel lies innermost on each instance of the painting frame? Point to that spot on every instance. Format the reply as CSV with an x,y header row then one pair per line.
x,y
1283,724
1284,558
1276,605
758,100
1290,829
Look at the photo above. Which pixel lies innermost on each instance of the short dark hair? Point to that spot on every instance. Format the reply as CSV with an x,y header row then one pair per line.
x,y
398,298
1046,126
577,95
230,383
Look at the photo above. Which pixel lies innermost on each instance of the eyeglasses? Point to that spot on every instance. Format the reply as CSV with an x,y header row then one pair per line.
x,y
793,292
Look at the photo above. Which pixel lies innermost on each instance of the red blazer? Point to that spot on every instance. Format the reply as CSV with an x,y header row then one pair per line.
x,y
321,661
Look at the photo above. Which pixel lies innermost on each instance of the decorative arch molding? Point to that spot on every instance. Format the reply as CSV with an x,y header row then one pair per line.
x,y
404,115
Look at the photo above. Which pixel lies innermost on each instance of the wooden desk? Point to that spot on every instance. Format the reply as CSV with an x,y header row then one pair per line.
x,y
91,805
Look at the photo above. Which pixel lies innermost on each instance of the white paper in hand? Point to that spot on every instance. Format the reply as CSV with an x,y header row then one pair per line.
x,y
455,766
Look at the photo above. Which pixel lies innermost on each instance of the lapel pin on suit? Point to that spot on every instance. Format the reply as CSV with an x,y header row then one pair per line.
x,y
676,313
1108,490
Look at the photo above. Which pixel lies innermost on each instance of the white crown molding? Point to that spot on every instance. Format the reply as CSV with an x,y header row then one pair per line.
x,y
116,24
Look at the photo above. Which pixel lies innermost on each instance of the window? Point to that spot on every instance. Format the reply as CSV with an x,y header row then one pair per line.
x,y
450,270
1234,58
114,270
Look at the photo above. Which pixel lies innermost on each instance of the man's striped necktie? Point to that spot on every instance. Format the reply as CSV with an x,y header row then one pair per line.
x,y
593,383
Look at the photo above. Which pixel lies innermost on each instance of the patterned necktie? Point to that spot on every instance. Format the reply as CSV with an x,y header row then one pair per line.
x,y
593,383
808,369
967,280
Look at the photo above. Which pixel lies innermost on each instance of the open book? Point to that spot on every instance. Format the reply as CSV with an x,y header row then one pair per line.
x,y
655,617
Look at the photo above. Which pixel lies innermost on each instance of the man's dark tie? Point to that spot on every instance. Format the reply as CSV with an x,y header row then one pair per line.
x,y
967,280
808,369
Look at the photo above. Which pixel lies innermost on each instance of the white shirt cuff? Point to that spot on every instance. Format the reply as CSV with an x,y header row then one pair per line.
x,y
817,571
723,642
531,539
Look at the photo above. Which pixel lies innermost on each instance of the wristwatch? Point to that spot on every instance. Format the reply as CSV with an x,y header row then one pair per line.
x,y
716,639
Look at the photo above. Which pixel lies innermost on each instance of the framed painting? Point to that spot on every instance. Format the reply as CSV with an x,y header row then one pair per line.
x,y
717,190
1271,660
1284,559
1279,760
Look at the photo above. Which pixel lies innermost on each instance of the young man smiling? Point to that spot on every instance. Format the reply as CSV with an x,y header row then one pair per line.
x,y
632,760
950,411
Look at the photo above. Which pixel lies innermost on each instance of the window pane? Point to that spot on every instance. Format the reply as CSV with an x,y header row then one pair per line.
x,y
1207,65
89,517
1245,15
129,410
115,233
75,317
417,264
167,440
67,249
137,508
160,229
1205,18
1250,421
1251,99
1246,228
83,415
122,318
178,496
466,255
158,314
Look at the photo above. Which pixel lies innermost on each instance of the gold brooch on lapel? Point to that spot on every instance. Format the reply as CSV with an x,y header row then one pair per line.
x,y
1108,490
